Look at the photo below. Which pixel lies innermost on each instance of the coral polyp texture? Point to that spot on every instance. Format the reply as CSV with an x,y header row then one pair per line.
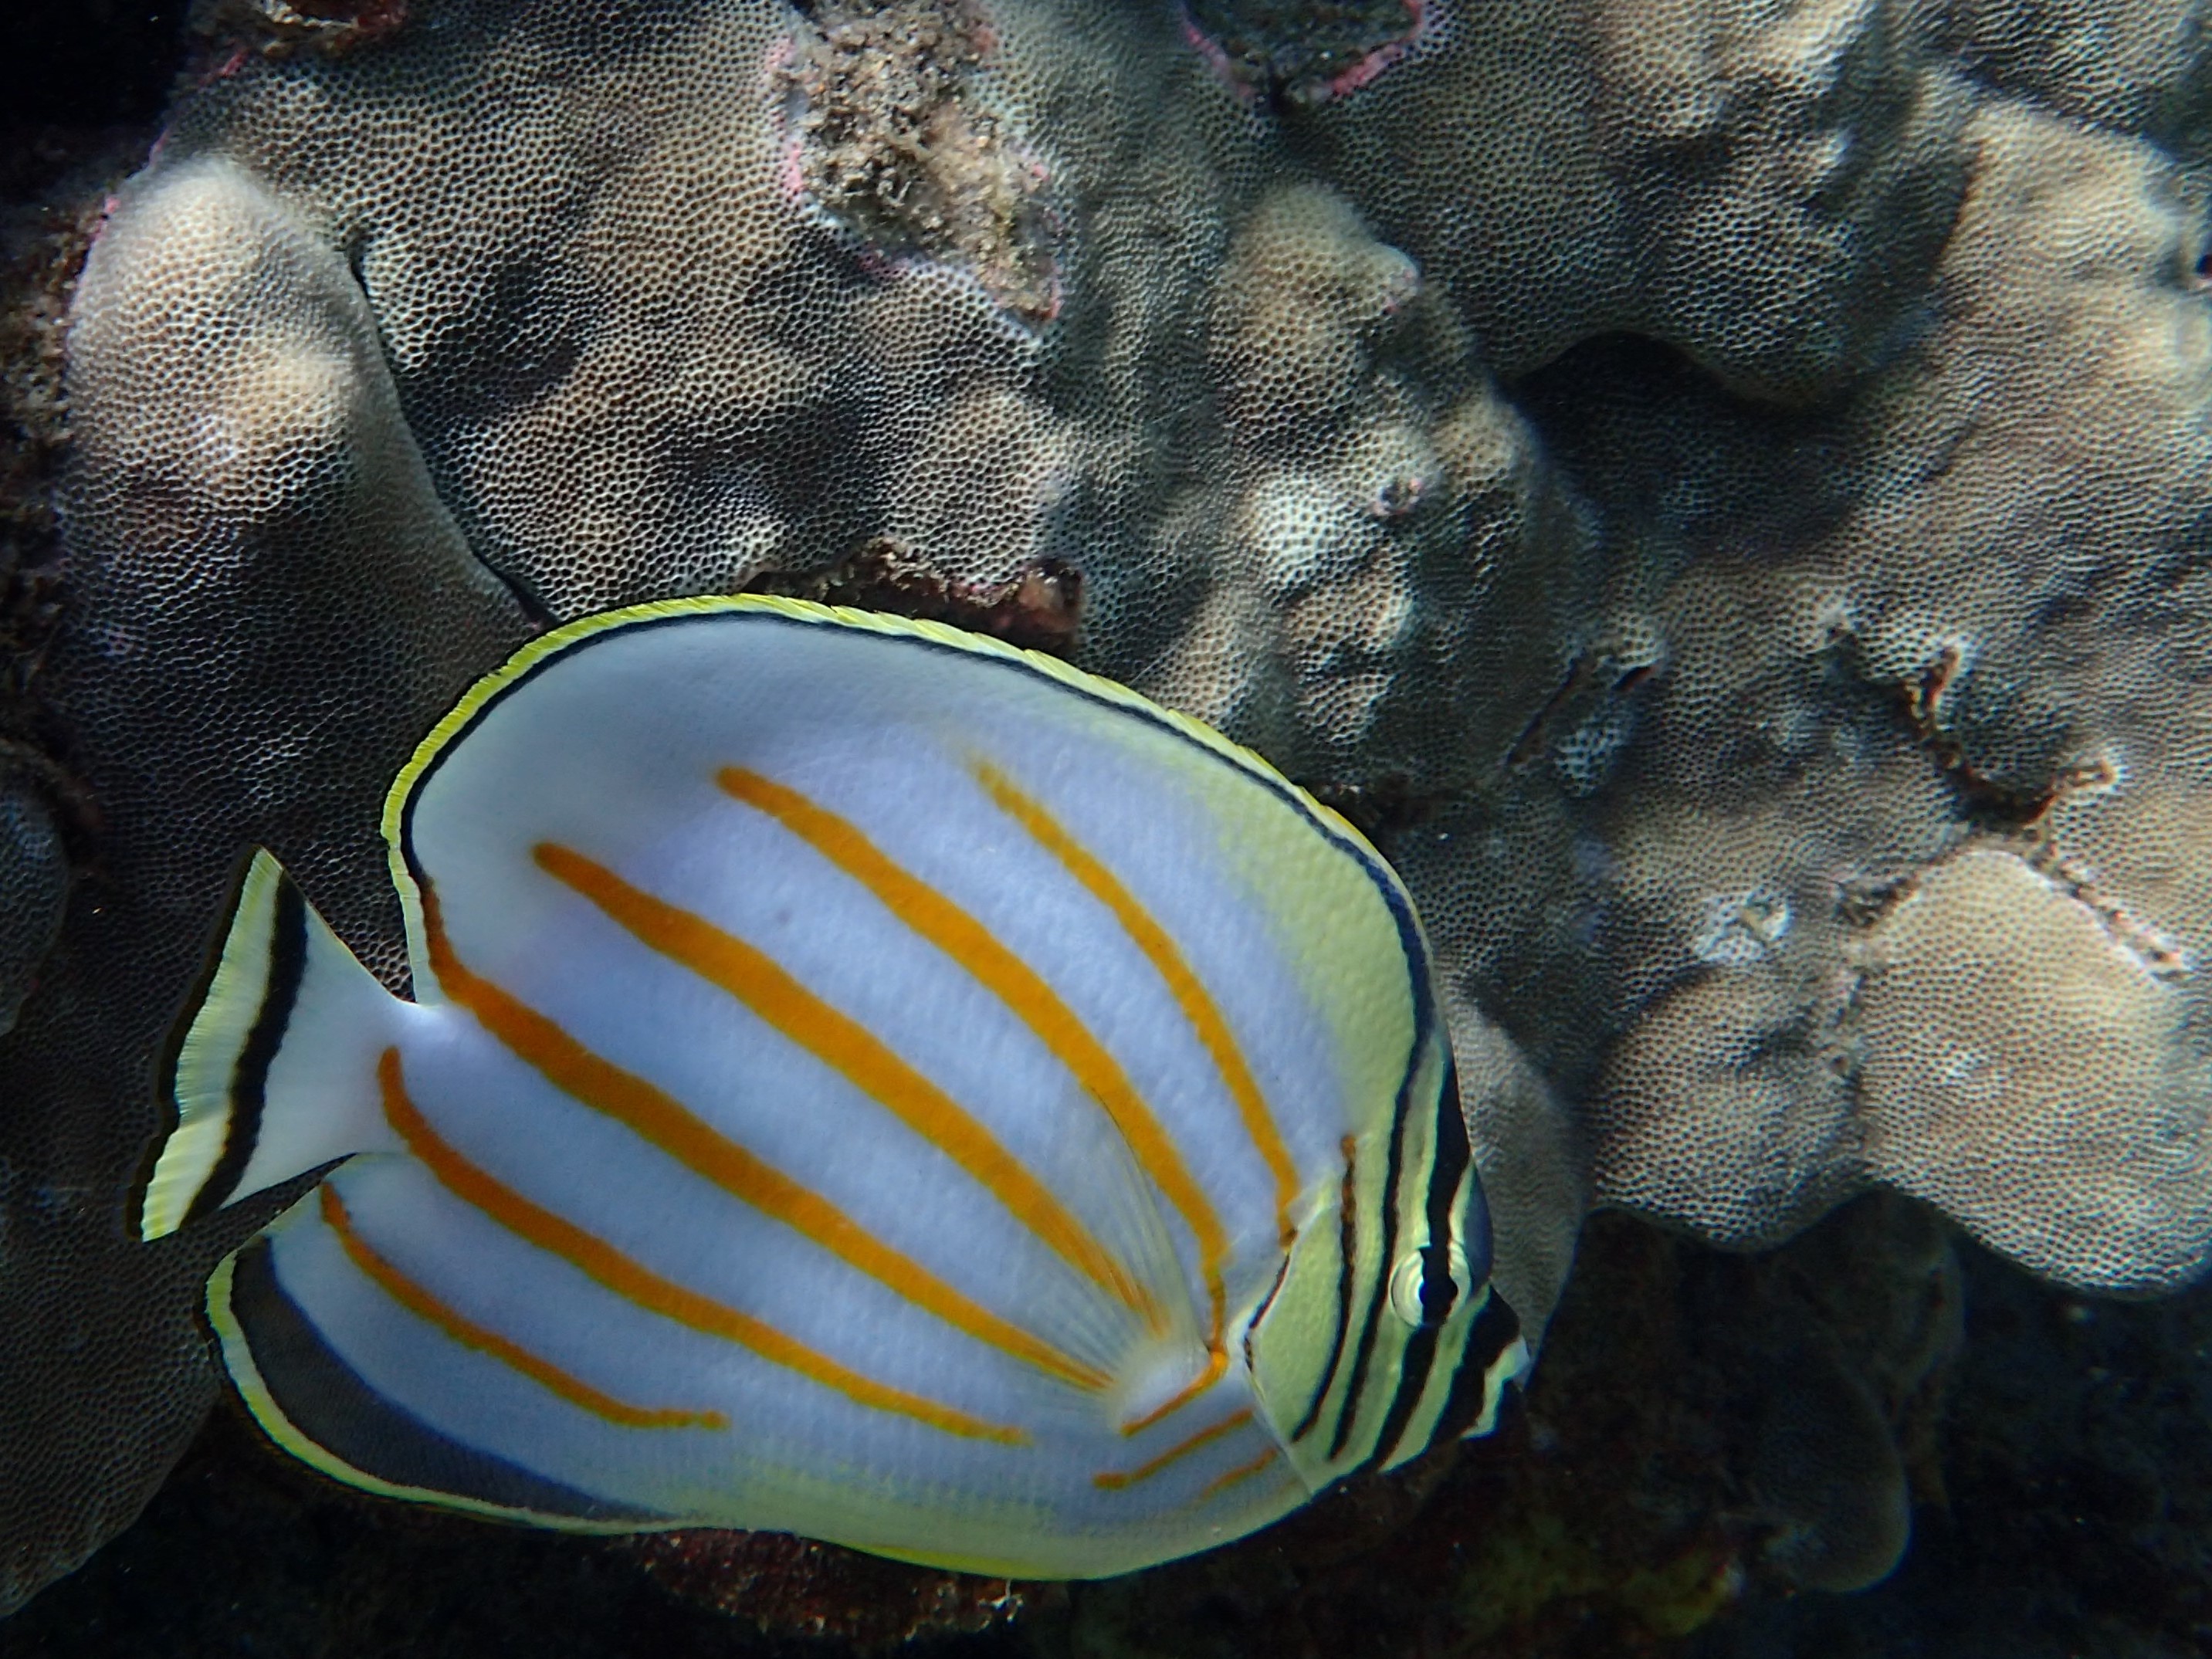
x,y
1720,488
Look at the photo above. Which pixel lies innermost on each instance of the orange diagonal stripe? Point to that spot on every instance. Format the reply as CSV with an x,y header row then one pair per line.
x,y
658,1117
1015,983
1199,1008
1114,1481
470,1334
1222,1483
1217,1362
600,1261
847,1047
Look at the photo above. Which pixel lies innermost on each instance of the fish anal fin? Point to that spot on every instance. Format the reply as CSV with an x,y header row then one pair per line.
x,y
311,1403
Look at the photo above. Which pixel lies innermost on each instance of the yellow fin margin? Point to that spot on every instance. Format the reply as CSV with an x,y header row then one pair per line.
x,y
558,639
199,1081
246,1374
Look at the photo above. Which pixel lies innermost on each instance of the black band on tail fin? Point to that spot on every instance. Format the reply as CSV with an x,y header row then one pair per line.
x,y
1450,1159
287,962
273,1074
173,1052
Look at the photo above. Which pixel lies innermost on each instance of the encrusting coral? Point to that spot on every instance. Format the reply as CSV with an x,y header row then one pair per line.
x,y
39,251
1718,488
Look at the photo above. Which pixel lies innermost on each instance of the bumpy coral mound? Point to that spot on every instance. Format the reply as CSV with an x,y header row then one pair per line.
x,y
1719,487
2084,1068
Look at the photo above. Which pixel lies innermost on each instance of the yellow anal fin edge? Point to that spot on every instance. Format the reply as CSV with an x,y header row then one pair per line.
x,y
317,1407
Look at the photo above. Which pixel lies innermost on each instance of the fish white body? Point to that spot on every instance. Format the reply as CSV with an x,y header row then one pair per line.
x,y
863,1081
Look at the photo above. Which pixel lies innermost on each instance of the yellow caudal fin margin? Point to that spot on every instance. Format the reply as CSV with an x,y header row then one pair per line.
x,y
256,1102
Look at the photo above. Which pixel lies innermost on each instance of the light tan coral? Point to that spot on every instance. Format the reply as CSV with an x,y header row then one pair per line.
x,y
2025,1071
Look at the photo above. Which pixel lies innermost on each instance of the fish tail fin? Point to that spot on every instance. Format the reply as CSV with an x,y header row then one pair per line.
x,y
273,1071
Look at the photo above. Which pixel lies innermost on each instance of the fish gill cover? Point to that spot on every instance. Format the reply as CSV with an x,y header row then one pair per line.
x,y
1720,489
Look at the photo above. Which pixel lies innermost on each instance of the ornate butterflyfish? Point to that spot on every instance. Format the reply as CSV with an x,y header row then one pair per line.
x,y
860,1079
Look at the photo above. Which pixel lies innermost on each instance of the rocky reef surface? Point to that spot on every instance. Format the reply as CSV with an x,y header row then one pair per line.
x,y
1720,489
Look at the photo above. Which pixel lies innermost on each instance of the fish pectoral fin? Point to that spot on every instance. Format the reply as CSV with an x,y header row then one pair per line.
x,y
273,1071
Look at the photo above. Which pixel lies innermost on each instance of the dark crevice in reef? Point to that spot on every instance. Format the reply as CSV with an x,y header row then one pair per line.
x,y
2012,801
278,28
1381,807
1653,440
83,86
83,63
1291,53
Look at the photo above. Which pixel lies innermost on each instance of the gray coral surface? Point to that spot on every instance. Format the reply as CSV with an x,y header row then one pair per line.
x,y
1721,487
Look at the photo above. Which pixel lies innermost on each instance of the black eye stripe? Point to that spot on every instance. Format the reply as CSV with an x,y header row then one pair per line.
x,y
1380,1293
1439,1290
1449,1165
1448,1168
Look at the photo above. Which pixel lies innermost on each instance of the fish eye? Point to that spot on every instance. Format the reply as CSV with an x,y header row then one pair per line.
x,y
1427,1283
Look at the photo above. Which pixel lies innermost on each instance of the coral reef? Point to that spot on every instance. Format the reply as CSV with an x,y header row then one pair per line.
x,y
34,878
783,1585
278,28
1719,487
51,178
2070,1508
893,143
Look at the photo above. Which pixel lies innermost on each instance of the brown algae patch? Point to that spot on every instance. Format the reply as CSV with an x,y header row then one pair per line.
x,y
893,143
277,29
